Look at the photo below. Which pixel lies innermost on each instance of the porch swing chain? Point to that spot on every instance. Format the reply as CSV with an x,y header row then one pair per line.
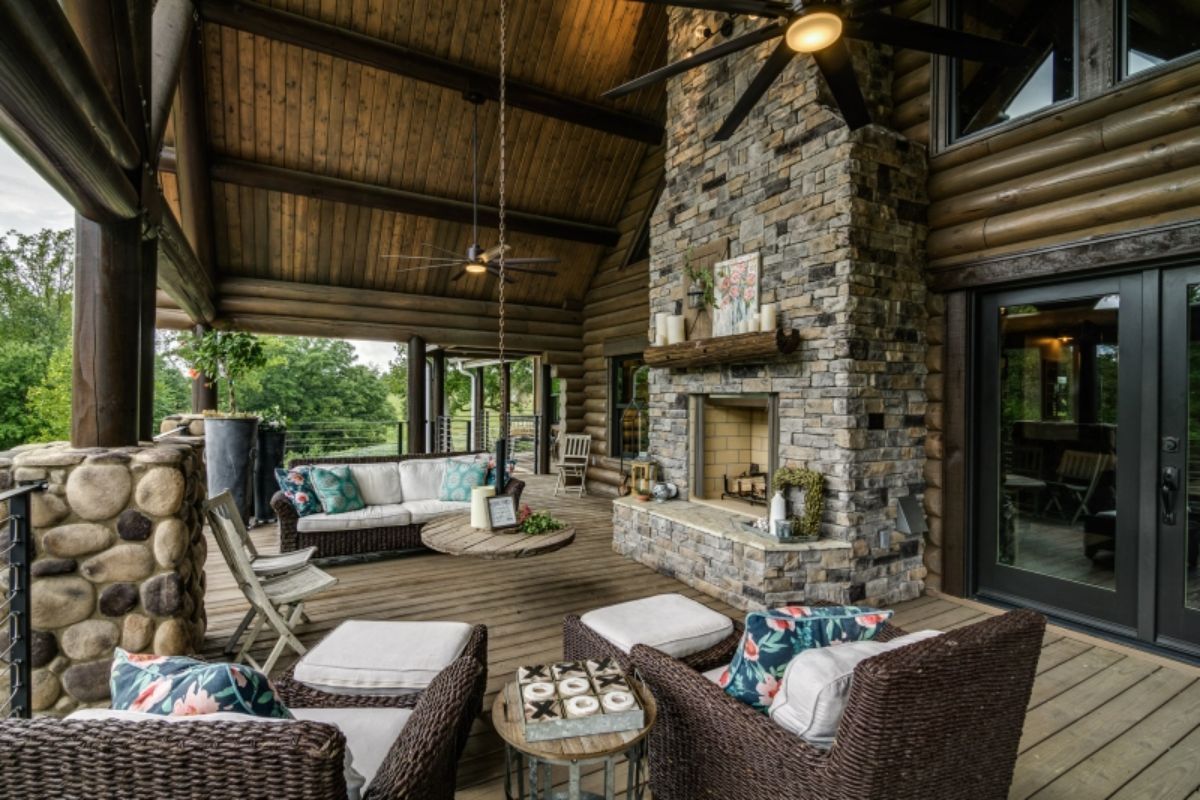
x,y
503,170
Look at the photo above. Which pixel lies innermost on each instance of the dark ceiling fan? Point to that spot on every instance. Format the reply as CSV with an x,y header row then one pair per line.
x,y
821,29
478,260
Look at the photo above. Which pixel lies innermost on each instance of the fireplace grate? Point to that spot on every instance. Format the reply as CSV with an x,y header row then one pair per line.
x,y
749,487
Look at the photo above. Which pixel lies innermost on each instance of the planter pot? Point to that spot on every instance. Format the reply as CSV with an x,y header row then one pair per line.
x,y
229,445
271,446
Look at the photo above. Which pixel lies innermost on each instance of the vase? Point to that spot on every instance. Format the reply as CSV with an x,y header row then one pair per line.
x,y
778,511
229,446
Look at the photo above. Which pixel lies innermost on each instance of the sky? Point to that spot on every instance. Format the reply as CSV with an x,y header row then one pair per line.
x,y
28,204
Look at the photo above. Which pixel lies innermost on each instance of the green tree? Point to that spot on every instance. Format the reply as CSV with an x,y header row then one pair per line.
x,y
315,380
49,401
458,385
36,281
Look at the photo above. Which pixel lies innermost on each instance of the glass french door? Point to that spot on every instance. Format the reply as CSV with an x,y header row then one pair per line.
x,y
1059,450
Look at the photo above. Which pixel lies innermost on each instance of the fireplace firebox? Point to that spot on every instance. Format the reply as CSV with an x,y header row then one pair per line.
x,y
734,447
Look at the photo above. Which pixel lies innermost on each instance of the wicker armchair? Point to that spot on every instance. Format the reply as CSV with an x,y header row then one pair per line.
x,y
391,539
580,642
939,718
238,761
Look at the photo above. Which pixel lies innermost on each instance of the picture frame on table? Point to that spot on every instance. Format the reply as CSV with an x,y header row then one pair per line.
x,y
502,512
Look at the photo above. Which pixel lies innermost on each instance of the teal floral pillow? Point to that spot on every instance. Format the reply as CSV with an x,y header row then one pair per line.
x,y
174,686
460,478
774,637
336,489
296,487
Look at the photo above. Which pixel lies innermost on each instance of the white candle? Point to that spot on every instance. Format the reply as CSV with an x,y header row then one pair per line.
x,y
660,328
479,508
675,329
752,323
767,317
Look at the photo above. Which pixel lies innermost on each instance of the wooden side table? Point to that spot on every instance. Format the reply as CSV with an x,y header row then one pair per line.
x,y
533,762
453,535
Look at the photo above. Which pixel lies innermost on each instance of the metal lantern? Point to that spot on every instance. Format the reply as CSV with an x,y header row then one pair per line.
x,y
643,475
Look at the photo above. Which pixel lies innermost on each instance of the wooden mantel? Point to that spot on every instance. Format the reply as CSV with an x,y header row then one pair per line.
x,y
741,347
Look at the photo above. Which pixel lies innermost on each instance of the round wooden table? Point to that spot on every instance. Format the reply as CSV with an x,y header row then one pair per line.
x,y
573,753
453,535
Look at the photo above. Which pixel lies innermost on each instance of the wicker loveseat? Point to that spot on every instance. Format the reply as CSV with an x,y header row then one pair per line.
x,y
73,760
379,528
940,718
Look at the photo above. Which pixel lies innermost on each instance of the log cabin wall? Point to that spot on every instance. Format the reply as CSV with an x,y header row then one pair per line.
x,y
911,71
616,318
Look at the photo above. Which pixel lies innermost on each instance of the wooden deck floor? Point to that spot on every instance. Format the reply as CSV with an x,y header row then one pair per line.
x,y
1104,721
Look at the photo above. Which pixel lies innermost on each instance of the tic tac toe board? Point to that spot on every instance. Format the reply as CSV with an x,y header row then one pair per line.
x,y
575,698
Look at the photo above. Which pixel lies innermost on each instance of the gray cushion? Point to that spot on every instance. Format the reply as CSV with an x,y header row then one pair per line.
x,y
422,511
378,484
672,623
386,516
421,478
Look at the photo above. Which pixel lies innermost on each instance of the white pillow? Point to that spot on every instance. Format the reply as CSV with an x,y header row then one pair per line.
x,y
816,685
378,484
354,780
421,478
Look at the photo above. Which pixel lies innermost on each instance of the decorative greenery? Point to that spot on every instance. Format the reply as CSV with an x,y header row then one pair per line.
x,y
812,484
703,278
535,522
273,419
225,355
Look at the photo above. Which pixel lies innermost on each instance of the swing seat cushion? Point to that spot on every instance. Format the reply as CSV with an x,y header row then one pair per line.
x,y
371,657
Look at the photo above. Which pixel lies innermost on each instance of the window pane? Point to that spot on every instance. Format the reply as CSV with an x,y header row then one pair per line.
x,y
1058,432
1157,31
989,94
630,397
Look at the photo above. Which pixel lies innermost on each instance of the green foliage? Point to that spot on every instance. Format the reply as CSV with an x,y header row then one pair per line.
x,y
225,355
49,401
812,484
458,385
703,279
172,390
306,380
22,365
535,522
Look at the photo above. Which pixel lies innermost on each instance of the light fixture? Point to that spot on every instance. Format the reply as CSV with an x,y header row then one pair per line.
x,y
814,31
475,268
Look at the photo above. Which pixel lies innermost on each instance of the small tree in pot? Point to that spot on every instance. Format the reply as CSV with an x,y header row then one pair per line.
x,y
230,438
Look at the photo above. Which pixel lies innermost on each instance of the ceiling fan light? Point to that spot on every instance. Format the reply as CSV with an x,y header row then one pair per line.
x,y
813,32
475,268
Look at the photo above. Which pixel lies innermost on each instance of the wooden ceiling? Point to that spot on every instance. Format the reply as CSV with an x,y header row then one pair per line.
x,y
275,103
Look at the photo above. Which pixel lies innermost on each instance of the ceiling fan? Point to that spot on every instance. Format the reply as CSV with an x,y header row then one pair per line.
x,y
821,29
478,261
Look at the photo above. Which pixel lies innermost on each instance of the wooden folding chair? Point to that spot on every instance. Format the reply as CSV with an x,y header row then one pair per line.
x,y
573,463
277,601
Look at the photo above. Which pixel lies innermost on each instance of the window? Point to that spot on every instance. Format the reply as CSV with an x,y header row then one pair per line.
x,y
1157,31
630,393
986,95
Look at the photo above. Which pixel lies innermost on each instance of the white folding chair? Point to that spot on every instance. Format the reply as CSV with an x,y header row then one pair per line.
x,y
276,600
573,463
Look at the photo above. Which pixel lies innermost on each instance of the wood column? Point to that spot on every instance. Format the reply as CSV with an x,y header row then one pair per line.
x,y
205,394
545,401
437,395
416,395
148,287
478,440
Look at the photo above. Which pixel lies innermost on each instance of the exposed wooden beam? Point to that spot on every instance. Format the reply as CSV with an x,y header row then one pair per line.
x,y
190,156
180,272
356,193
171,25
342,43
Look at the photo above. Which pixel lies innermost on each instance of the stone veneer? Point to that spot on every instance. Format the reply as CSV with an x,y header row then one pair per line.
x,y
119,561
839,221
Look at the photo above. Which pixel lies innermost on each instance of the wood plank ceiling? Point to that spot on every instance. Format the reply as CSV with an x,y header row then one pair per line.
x,y
275,103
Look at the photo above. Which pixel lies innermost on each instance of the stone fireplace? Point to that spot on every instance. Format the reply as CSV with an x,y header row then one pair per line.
x,y
733,440
838,221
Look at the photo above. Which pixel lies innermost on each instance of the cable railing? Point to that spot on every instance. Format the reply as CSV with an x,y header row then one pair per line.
x,y
346,438
17,554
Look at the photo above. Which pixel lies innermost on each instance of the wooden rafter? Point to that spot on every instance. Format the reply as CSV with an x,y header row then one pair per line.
x,y
191,157
312,34
172,23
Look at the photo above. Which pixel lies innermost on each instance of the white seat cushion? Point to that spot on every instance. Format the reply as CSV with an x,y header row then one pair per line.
x,y
421,511
382,658
812,695
715,674
378,484
370,732
672,623
386,516
421,478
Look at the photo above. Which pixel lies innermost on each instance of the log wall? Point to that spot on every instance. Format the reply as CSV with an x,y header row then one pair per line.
x,y
911,79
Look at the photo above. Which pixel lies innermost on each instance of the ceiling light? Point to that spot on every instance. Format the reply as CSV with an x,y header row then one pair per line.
x,y
813,32
476,268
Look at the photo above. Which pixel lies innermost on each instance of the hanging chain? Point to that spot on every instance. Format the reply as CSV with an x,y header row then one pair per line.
x,y
503,175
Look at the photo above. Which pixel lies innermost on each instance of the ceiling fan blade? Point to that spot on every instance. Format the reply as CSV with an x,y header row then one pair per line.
x,y
508,262
857,8
528,271
493,252
703,57
431,246
458,276
834,63
415,258
780,58
440,265
761,8
496,271
907,33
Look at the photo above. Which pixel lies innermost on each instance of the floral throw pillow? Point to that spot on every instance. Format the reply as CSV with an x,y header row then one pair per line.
x,y
460,478
174,686
336,489
296,487
774,637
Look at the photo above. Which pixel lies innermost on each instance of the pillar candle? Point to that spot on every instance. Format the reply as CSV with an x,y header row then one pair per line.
x,y
660,328
752,323
675,329
479,508
767,317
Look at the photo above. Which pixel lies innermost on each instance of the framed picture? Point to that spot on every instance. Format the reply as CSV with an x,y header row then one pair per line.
x,y
502,512
735,288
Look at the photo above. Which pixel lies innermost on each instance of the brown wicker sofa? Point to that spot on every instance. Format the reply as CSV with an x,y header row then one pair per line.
x,y
73,760
362,541
940,718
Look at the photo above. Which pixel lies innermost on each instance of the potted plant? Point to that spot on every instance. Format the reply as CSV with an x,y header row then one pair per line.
x,y
804,490
272,444
230,438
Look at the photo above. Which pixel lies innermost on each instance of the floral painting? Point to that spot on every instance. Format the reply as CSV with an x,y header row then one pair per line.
x,y
736,289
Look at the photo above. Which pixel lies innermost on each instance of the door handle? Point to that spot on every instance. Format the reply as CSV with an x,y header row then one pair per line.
x,y
1168,486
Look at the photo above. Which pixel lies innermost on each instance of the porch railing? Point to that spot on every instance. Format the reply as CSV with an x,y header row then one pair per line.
x,y
15,612
346,438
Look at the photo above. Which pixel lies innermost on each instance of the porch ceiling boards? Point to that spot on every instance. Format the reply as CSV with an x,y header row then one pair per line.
x,y
272,102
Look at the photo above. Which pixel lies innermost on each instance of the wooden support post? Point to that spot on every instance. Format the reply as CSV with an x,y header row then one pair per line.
x,y
477,410
416,395
146,315
505,397
204,387
437,396
545,401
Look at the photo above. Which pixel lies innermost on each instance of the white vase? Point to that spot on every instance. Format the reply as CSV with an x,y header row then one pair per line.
x,y
778,511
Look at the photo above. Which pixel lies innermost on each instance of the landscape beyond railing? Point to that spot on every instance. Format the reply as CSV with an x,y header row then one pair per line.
x,y
16,552
345,438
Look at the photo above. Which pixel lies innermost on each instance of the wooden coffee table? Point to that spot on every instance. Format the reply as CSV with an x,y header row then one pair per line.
x,y
532,762
453,535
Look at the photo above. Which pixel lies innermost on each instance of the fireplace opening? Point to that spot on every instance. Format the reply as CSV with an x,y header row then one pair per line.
x,y
734,444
